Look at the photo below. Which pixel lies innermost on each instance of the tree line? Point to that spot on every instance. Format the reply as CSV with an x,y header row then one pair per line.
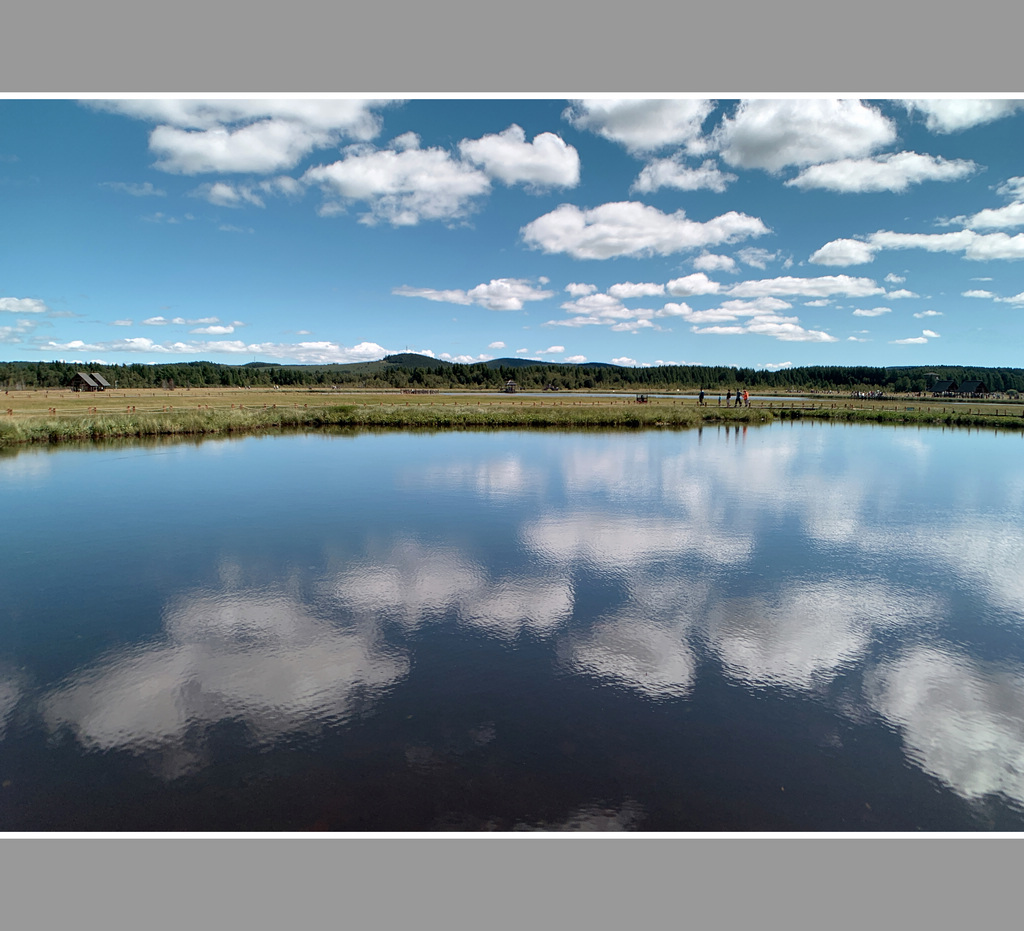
x,y
494,376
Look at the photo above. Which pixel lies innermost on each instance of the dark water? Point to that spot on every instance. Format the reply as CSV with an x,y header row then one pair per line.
x,y
788,628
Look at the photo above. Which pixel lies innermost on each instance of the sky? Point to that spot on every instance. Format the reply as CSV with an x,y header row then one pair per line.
x,y
755,232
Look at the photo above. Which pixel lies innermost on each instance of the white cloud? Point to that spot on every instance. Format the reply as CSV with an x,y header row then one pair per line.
x,y
145,189
950,116
843,252
929,313
975,246
774,134
304,352
550,350
575,360
156,321
931,334
628,289
497,294
901,293
1016,299
1012,188
23,305
121,323
497,345
786,329
546,162
630,228
246,135
579,290
893,172
999,218
814,287
673,173
709,262
625,360
894,279
756,257
913,340
401,187
214,330
977,292
641,125
263,147
872,312
697,283
222,194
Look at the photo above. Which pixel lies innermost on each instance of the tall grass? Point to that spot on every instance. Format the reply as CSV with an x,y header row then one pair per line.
x,y
446,415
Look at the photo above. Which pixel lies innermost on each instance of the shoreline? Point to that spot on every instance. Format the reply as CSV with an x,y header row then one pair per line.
x,y
62,419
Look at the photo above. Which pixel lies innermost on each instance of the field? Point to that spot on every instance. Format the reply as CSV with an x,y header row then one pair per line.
x,y
55,416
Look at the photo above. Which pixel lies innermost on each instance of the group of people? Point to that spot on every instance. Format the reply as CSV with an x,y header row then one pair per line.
x,y
742,400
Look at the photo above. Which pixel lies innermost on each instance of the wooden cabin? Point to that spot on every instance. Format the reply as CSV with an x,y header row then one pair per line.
x,y
973,389
510,387
944,388
89,381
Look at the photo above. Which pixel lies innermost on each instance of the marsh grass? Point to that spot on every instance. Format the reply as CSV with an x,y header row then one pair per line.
x,y
73,420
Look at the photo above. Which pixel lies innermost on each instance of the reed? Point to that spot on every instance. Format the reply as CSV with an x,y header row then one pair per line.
x,y
28,426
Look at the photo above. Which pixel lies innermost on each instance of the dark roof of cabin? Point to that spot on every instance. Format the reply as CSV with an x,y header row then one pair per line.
x,y
946,385
87,378
971,387
100,380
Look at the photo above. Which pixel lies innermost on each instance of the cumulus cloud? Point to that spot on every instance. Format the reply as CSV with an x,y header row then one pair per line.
x,y
689,285
579,290
977,247
628,289
575,360
23,305
263,147
950,116
1016,299
901,293
709,262
894,279
259,136
402,186
872,312
496,345
641,125
673,173
322,352
776,134
843,252
548,161
998,218
929,313
893,172
815,287
497,294
910,341
631,228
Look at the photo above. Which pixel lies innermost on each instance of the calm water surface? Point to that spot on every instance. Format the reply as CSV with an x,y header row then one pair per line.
x,y
794,627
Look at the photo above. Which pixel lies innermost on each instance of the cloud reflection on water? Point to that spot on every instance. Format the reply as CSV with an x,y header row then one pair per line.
x,y
259,657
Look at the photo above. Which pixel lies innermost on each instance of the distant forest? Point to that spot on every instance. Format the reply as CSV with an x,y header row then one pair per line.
x,y
421,372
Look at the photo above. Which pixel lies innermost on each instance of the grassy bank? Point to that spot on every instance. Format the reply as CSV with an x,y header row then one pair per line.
x,y
52,417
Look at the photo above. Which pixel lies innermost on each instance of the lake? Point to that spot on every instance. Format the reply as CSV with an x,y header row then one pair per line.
x,y
797,627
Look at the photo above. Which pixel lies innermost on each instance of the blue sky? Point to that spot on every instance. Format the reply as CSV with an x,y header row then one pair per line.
x,y
758,232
